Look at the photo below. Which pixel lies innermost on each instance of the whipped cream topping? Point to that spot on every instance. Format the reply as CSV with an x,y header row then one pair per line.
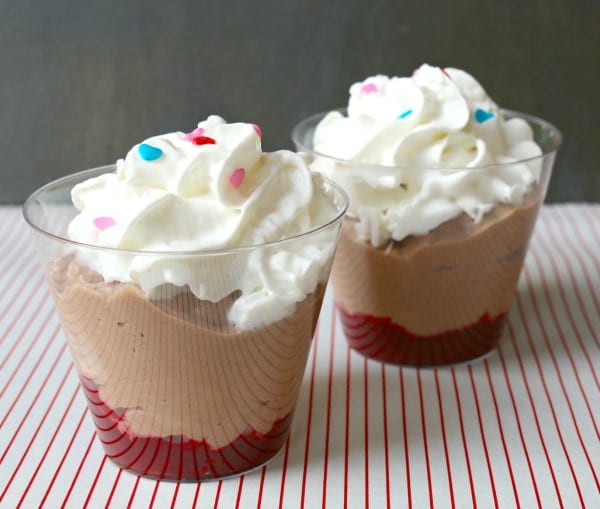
x,y
210,189
416,152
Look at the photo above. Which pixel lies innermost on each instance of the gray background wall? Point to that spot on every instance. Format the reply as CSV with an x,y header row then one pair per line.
x,y
82,81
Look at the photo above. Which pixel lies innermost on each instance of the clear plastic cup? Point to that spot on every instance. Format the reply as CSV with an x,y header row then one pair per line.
x,y
177,391
441,297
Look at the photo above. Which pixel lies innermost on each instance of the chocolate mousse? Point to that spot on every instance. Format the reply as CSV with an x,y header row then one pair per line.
x,y
435,299
444,190
189,280
176,391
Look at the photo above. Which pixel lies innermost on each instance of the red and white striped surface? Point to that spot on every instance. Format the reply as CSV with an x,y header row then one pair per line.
x,y
518,429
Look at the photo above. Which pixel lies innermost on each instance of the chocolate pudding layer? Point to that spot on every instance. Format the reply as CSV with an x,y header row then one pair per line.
x,y
175,389
434,299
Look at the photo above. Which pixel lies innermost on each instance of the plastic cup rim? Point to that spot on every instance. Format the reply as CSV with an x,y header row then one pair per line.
x,y
299,129
80,176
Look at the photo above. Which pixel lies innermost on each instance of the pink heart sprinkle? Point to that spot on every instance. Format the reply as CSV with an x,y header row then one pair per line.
x,y
369,88
258,130
104,222
194,134
237,177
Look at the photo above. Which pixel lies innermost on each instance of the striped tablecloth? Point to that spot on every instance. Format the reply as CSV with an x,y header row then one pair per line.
x,y
518,429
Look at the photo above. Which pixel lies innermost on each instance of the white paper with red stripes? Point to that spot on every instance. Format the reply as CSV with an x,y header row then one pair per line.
x,y
518,429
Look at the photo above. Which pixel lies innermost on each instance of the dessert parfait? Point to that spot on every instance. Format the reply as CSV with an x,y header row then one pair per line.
x,y
188,280
444,191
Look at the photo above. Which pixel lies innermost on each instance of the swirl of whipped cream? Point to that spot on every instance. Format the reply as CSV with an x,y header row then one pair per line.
x,y
446,146
209,189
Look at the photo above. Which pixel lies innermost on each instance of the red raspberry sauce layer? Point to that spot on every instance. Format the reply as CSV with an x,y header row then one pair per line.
x,y
178,458
382,339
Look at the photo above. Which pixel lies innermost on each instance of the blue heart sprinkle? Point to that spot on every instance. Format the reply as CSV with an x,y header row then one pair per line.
x,y
404,114
481,115
148,152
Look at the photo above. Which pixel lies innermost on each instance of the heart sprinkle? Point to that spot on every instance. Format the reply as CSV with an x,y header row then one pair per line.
x,y
237,177
481,115
258,130
404,114
203,140
148,152
104,222
369,88
199,131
